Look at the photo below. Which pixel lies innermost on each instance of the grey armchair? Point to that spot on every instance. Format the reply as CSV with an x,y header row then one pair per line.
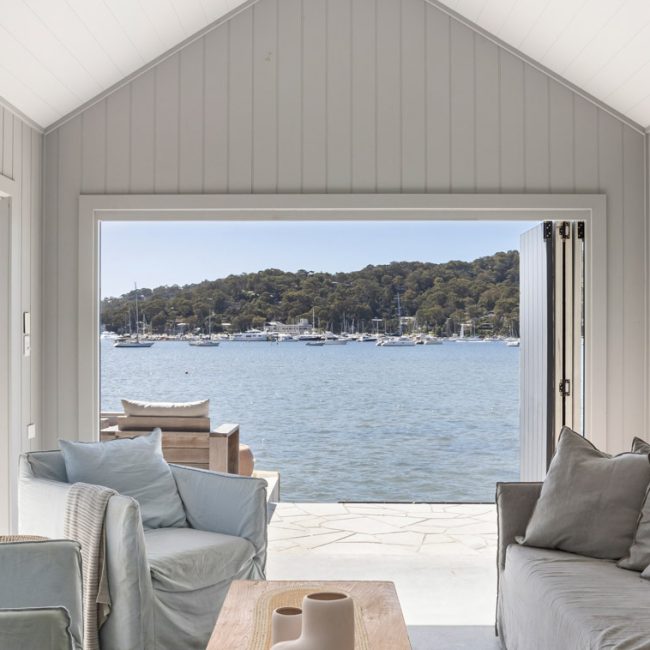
x,y
167,585
40,595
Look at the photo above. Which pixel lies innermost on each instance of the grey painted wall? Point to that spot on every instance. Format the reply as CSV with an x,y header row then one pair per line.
x,y
21,150
348,96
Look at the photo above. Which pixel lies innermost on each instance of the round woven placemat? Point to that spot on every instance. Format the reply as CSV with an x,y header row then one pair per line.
x,y
261,639
6,539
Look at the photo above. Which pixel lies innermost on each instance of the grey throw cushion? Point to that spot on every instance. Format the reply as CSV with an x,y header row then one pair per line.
x,y
640,446
590,501
131,466
638,557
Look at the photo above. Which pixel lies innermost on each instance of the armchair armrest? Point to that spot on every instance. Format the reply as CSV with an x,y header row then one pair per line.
x,y
130,625
42,576
45,628
224,449
515,505
224,503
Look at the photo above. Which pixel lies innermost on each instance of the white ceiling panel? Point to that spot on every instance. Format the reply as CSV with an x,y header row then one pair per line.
x,y
55,55
601,46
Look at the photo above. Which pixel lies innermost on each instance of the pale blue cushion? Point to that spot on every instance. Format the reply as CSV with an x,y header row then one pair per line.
x,y
131,466
185,559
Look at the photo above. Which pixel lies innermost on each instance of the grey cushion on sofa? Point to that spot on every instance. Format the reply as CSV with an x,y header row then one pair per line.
x,y
638,557
134,467
590,501
551,600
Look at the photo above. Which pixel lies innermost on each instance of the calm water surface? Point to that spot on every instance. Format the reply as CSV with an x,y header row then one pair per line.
x,y
353,423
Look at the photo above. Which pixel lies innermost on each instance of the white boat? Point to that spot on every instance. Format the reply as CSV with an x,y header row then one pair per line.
x,y
286,338
431,340
205,341
397,342
367,338
109,335
513,344
129,342
251,336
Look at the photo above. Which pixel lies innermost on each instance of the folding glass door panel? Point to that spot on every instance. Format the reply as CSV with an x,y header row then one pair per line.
x,y
551,340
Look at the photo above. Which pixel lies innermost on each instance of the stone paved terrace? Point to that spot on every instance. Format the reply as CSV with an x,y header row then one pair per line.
x,y
442,558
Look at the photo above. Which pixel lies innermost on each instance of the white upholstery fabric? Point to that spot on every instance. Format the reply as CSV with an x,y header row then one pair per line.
x,y
167,409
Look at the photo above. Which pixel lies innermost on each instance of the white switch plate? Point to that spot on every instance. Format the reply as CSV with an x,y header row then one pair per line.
x,y
31,431
27,323
27,345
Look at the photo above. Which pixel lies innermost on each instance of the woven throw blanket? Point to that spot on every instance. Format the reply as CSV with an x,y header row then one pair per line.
x,y
84,522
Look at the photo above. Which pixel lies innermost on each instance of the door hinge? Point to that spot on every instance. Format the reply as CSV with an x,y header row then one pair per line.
x,y
565,230
581,229
548,229
565,387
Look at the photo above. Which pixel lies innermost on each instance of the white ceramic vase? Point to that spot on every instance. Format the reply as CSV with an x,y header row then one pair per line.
x,y
327,623
286,624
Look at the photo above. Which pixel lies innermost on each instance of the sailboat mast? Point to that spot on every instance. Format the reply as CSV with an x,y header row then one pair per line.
x,y
137,318
399,314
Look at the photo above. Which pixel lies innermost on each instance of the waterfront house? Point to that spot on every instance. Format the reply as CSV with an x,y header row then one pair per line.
x,y
344,110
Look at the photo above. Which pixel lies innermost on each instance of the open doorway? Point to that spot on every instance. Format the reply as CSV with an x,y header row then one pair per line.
x,y
434,419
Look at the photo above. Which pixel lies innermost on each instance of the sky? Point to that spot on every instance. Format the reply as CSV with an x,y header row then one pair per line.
x,y
165,253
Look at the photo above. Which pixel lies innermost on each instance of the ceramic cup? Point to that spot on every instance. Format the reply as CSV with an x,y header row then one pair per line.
x,y
286,624
327,623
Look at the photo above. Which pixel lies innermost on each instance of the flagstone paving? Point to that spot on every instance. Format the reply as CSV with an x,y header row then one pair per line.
x,y
441,557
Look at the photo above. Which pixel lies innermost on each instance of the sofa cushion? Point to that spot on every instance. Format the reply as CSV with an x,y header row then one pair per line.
x,y
131,466
590,501
186,559
551,599
638,557
167,409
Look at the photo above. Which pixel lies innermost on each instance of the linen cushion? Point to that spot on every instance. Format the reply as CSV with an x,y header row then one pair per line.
x,y
638,557
550,600
131,466
186,559
167,409
590,501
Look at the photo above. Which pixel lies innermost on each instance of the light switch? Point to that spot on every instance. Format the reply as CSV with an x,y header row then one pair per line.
x,y
27,345
31,431
27,323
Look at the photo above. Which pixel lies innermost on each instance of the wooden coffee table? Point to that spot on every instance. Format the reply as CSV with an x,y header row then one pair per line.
x,y
244,620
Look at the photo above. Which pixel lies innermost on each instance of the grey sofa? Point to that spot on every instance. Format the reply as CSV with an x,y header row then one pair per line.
x,y
167,585
40,595
552,600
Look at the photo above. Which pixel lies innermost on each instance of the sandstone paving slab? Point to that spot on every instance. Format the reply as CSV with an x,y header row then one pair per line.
x,y
363,549
313,541
406,537
398,522
361,525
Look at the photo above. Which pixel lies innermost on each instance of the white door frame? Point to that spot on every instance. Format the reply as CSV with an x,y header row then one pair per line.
x,y
10,380
590,208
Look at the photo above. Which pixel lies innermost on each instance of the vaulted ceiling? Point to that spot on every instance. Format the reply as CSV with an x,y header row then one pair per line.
x,y
55,55
601,46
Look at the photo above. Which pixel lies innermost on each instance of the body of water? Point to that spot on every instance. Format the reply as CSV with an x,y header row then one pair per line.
x,y
347,423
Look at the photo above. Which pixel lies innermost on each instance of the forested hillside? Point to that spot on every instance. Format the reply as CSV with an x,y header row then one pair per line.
x,y
440,297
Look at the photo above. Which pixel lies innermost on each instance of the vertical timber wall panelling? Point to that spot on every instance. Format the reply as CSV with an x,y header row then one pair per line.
x,y
349,95
21,149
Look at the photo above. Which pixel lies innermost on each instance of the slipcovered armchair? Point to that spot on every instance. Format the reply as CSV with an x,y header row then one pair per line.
x,y
167,585
40,595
